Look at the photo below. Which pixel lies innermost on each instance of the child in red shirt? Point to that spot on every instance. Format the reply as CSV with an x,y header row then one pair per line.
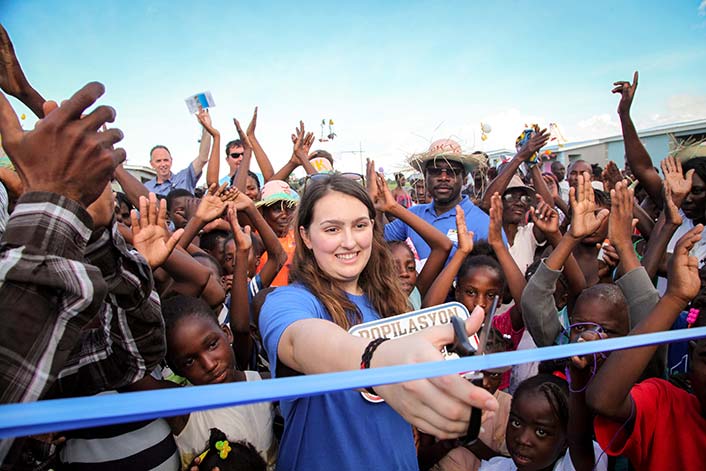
x,y
655,424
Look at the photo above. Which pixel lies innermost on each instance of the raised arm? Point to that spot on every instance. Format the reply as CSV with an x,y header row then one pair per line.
x,y
214,162
620,225
439,244
132,187
513,276
676,188
241,175
13,80
302,142
635,153
211,207
42,251
276,256
499,183
440,288
609,392
584,221
260,156
239,305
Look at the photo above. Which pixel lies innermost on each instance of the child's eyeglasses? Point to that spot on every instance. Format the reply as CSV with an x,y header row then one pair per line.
x,y
324,177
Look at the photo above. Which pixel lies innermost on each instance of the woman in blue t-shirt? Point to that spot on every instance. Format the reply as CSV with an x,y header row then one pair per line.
x,y
342,275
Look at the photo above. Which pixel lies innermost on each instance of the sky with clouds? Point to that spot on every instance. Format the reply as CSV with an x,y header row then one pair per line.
x,y
393,76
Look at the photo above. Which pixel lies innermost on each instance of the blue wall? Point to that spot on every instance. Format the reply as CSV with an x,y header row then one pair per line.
x,y
657,147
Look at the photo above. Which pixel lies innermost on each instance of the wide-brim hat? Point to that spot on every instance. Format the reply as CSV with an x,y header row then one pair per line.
x,y
275,191
447,150
515,183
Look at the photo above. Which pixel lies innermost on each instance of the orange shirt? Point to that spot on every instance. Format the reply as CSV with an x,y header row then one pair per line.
x,y
282,278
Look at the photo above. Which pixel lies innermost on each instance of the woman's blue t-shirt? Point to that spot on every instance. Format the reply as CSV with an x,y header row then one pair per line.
x,y
341,430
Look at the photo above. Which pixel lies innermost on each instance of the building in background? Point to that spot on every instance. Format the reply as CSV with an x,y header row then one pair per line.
x,y
659,141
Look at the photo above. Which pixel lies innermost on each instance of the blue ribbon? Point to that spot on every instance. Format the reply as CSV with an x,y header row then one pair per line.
x,y
67,414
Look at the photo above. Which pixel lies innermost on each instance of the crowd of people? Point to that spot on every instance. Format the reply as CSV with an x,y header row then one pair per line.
x,y
166,285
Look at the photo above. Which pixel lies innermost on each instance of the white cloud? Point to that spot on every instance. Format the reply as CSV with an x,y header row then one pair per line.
x,y
600,125
702,8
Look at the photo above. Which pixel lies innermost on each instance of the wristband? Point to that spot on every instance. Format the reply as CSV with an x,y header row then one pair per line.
x,y
368,355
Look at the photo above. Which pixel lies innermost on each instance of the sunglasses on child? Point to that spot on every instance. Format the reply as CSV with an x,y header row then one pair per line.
x,y
235,155
324,177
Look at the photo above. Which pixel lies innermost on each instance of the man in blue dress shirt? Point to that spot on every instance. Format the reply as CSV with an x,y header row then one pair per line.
x,y
166,181
445,169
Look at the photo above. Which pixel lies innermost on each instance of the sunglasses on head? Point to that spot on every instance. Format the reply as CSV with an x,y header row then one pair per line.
x,y
323,177
235,155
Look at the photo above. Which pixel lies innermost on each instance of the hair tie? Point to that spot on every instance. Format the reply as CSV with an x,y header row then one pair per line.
x,y
692,316
224,448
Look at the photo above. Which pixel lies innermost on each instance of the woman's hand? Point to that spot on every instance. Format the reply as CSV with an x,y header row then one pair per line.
x,y
436,406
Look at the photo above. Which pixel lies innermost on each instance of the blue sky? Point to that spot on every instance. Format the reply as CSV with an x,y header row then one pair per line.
x,y
393,75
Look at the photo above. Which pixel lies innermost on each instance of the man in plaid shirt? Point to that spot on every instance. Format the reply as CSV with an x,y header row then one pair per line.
x,y
79,312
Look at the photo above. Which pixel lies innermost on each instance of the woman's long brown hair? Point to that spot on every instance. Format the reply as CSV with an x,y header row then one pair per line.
x,y
377,280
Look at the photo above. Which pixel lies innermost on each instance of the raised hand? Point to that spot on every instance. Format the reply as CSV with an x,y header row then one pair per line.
x,y
627,93
241,201
620,221
610,176
253,123
552,186
684,282
243,137
385,200
302,143
465,237
495,230
149,232
102,209
371,181
608,262
584,220
64,153
671,210
13,80
536,142
243,240
545,217
213,203
204,118
679,184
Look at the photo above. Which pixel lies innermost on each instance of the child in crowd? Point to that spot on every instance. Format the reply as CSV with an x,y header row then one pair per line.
x,y
655,424
199,349
542,430
226,455
277,205
414,285
491,439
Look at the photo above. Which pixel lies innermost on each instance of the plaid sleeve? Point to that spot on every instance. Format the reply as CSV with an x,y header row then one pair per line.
x,y
47,292
127,341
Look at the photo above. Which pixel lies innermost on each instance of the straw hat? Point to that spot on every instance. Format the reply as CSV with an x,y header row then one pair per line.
x,y
450,151
277,190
